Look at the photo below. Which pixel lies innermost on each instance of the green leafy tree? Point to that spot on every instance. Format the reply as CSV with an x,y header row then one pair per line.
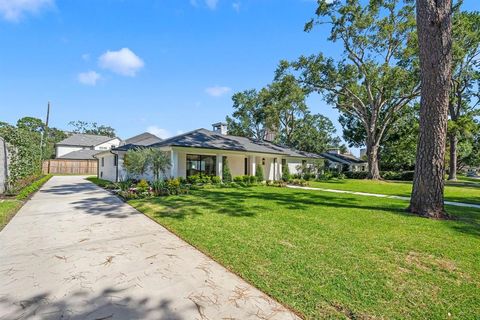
x,y
92,128
136,162
464,93
376,76
249,116
158,161
314,133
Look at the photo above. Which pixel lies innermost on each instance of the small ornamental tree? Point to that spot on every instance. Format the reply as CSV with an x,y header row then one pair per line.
x,y
159,162
259,172
136,162
286,173
226,174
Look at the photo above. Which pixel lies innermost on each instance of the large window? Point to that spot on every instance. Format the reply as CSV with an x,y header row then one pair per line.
x,y
198,164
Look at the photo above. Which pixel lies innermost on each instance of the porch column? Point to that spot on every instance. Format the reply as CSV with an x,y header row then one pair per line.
x,y
253,165
174,164
219,168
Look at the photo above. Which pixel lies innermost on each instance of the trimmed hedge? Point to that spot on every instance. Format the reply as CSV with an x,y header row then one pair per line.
x,y
356,174
399,176
25,192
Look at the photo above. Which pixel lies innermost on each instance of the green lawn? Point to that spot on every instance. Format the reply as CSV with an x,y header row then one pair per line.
x,y
7,211
334,255
454,191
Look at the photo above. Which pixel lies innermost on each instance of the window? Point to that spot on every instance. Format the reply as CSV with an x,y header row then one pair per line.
x,y
284,162
115,160
199,164
103,162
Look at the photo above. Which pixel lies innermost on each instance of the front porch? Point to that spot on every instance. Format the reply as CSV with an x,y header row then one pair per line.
x,y
191,161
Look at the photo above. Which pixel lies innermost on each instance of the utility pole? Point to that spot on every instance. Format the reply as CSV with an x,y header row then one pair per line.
x,y
44,133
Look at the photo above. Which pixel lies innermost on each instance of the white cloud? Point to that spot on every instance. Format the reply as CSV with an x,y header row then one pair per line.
x,y
14,10
236,6
123,62
89,78
211,4
217,91
159,132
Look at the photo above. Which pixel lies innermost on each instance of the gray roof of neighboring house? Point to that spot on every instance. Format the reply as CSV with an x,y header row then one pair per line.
x,y
342,158
141,140
84,140
206,139
80,155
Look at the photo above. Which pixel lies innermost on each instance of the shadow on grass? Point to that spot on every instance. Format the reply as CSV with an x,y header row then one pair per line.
x,y
250,202
109,304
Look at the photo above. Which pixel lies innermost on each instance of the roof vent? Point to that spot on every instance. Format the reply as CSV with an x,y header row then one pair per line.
x,y
220,127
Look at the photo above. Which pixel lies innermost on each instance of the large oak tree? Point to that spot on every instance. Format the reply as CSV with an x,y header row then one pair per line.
x,y
376,76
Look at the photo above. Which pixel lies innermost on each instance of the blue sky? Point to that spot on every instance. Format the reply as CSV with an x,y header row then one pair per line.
x,y
167,66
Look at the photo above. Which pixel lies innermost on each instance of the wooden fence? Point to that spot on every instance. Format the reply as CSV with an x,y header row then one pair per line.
x,y
67,166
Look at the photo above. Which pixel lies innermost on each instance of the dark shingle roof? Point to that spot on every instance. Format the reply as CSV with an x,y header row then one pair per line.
x,y
342,158
84,140
80,155
206,139
143,139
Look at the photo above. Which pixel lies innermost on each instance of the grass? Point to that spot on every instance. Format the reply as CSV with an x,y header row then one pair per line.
x,y
10,206
454,191
99,182
334,255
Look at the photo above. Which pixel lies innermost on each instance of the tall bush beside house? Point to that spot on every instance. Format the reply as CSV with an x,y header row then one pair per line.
x,y
286,176
136,162
226,174
259,172
159,162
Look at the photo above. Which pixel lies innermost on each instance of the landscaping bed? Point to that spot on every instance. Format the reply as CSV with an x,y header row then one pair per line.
x,y
334,255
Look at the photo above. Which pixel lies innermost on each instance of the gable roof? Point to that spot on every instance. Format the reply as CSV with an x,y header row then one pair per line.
x,y
143,139
342,158
80,155
84,140
206,139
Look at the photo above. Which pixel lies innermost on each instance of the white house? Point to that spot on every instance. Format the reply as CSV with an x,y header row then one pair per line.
x,y
336,160
204,152
82,146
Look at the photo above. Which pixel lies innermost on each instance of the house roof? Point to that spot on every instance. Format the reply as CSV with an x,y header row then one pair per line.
x,y
206,139
141,140
84,140
80,155
342,158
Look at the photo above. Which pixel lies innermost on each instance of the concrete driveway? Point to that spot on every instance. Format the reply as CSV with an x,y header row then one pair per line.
x,y
74,251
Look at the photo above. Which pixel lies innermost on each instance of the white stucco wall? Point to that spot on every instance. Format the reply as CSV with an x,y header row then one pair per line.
x,y
108,145
108,171
236,165
63,150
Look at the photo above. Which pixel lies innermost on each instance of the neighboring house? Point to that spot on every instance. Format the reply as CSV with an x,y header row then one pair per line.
x,y
79,142
336,160
111,161
204,152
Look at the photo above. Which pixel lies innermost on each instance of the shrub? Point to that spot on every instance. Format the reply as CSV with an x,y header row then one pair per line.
x,y
276,183
159,187
401,176
259,172
238,179
226,174
124,185
286,176
30,189
308,176
356,174
216,180
143,186
299,182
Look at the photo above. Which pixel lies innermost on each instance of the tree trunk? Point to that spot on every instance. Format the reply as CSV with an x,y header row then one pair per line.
x,y
435,41
452,173
372,156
